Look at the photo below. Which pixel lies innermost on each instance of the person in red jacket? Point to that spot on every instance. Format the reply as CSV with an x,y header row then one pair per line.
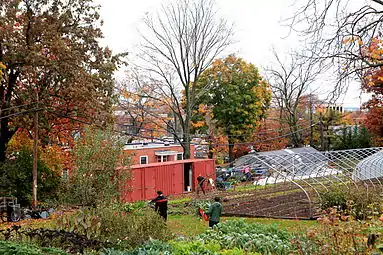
x,y
201,181
161,205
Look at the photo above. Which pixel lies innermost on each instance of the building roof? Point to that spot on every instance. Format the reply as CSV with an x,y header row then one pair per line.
x,y
285,153
170,163
370,167
299,161
138,146
166,153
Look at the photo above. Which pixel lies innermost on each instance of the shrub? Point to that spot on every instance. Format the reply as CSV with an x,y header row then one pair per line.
x,y
334,238
359,202
335,197
10,248
129,207
117,227
96,178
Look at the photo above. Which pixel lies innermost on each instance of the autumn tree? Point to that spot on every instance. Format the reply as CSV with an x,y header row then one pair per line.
x,y
99,169
142,114
340,30
373,83
269,135
180,42
53,64
374,123
53,155
238,96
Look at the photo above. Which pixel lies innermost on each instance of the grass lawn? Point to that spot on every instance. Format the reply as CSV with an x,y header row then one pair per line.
x,y
188,225
289,225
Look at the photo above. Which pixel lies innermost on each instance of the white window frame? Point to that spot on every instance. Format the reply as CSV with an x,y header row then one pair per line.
x,y
176,156
162,157
147,159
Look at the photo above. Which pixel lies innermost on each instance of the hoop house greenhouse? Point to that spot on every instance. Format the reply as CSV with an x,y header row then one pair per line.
x,y
296,179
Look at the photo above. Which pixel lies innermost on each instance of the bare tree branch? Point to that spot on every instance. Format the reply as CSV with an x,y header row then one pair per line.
x,y
342,32
181,41
289,81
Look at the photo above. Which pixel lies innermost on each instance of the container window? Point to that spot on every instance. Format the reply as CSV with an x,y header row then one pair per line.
x,y
162,158
143,160
180,156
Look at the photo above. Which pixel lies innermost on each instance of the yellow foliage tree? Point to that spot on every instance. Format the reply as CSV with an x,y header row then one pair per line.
x,y
52,155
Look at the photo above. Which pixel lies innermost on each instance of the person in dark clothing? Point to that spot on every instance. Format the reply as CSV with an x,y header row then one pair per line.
x,y
200,180
215,211
161,205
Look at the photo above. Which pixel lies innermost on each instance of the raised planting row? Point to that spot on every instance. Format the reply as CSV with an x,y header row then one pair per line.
x,y
291,205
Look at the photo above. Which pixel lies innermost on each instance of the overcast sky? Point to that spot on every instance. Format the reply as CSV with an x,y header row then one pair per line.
x,y
258,28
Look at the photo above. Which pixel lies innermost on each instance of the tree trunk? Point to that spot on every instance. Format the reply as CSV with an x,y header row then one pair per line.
x,y
5,136
296,138
321,132
35,156
210,153
231,148
186,138
5,133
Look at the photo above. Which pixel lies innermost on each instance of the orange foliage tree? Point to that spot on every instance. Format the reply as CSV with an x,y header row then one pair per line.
x,y
54,156
267,137
144,114
373,83
53,64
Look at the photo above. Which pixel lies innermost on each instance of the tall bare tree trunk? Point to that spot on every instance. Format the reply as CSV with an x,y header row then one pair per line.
x,y
180,43
35,156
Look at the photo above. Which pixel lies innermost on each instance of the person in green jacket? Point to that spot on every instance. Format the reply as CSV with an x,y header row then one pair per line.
x,y
215,211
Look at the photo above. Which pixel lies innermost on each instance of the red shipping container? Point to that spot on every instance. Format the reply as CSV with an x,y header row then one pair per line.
x,y
175,177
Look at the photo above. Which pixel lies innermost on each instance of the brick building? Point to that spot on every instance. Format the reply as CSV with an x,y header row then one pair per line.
x,y
148,153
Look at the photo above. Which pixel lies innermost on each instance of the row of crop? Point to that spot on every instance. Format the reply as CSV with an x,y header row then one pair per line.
x,y
234,237
128,235
12,248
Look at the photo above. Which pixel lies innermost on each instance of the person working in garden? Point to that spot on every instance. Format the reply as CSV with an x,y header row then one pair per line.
x,y
214,213
246,171
161,205
200,180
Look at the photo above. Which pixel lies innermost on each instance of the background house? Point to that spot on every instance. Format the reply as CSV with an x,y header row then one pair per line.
x,y
148,153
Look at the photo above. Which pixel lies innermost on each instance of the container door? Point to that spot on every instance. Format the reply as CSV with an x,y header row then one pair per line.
x,y
187,177
133,189
210,169
198,169
150,182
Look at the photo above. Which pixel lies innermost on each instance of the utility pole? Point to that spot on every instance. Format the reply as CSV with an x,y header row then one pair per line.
x,y
321,130
35,155
311,121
